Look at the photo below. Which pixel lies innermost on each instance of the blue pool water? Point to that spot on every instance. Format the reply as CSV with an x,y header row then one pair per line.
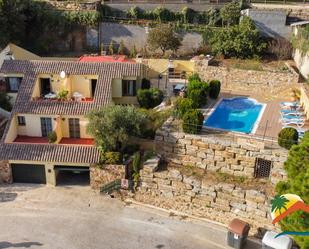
x,y
236,114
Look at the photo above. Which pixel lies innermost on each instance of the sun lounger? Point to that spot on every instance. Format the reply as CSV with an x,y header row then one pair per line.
x,y
291,105
292,117
291,112
298,122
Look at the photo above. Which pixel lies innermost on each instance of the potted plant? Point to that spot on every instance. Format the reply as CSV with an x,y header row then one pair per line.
x,y
52,137
63,94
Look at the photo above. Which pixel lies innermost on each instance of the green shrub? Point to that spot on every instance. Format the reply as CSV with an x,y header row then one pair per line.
x,y
192,121
136,162
149,154
52,137
182,105
63,94
196,95
5,101
155,120
198,91
149,98
130,149
194,77
214,89
287,137
110,158
145,84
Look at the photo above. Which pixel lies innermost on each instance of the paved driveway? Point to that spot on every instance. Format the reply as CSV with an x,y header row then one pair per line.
x,y
77,218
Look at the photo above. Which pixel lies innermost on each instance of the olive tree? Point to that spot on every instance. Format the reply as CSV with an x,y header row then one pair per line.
x,y
163,38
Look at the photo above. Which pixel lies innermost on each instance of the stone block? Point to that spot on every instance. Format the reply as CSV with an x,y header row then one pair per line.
x,y
225,187
238,205
191,152
165,187
193,137
237,167
202,155
192,181
161,174
178,185
185,141
256,196
223,202
179,150
158,138
191,147
239,193
220,207
217,147
149,185
163,181
201,165
174,174
178,135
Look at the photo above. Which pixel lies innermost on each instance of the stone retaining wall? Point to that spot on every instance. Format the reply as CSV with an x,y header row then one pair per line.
x,y
171,189
5,172
216,153
249,80
100,176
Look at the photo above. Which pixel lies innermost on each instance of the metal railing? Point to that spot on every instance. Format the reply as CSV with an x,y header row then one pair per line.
x,y
111,187
220,135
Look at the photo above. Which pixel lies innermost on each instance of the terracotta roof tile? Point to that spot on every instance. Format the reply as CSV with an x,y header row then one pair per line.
x,y
55,152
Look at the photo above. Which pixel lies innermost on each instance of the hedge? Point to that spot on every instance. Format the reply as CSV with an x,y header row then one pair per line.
x,y
192,121
149,98
214,89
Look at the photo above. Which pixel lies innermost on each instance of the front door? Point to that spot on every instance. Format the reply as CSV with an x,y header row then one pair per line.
x,y
74,128
46,126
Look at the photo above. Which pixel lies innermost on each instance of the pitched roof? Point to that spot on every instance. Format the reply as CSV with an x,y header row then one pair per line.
x,y
56,152
49,153
106,73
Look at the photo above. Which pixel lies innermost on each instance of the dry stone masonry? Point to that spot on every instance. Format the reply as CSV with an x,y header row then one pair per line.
x,y
249,80
5,172
214,153
173,190
101,175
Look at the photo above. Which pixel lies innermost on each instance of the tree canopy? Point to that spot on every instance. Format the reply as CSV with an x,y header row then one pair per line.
x,y
297,168
241,41
230,13
163,38
111,126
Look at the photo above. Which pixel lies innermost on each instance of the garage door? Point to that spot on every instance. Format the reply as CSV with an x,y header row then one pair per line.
x,y
28,173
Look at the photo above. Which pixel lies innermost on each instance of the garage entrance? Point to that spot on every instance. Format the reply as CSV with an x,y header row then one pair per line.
x,y
28,173
72,175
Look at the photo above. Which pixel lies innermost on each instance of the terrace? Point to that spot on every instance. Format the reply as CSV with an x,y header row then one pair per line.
x,y
269,125
44,140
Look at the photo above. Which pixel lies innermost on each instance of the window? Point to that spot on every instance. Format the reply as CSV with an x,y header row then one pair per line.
x,y
46,126
13,83
128,87
21,120
262,168
74,128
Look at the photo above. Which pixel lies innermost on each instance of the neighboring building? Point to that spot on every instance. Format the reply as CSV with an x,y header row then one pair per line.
x,y
37,112
13,52
272,23
301,60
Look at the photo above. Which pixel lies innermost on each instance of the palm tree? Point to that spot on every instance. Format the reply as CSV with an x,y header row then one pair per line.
x,y
278,203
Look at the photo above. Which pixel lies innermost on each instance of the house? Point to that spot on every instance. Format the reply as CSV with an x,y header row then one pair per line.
x,y
301,59
271,23
27,154
14,52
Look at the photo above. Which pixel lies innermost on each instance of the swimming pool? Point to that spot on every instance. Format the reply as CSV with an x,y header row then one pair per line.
x,y
239,114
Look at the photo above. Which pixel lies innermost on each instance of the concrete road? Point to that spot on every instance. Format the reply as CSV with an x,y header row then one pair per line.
x,y
34,216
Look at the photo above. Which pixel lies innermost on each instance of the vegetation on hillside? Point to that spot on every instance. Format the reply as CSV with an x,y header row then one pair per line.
x,y
301,40
297,183
240,41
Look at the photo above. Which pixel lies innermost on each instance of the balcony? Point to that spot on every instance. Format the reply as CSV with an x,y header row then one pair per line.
x,y
44,140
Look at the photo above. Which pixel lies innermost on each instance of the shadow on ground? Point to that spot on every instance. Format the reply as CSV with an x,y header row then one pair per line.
x,y
5,244
5,197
